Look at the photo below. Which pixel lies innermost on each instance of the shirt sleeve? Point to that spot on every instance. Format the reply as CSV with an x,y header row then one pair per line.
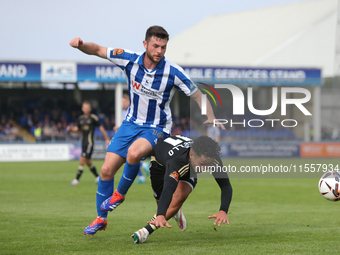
x,y
174,170
95,120
223,182
184,83
120,57
226,193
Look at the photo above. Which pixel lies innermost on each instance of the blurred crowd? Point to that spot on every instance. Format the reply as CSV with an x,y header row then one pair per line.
x,y
8,131
46,118
50,125
47,121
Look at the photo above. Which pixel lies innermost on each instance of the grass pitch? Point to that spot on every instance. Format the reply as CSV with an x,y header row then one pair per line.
x,y
41,214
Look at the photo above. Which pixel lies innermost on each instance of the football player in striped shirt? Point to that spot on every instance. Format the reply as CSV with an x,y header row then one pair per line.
x,y
152,80
175,163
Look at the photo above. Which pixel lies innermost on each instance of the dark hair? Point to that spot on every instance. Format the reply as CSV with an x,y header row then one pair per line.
x,y
206,146
156,31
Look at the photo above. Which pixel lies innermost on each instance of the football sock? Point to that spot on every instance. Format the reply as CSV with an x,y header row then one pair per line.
x,y
129,175
80,171
104,191
151,227
94,170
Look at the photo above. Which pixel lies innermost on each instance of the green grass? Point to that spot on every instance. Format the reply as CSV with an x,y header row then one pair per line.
x,y
41,214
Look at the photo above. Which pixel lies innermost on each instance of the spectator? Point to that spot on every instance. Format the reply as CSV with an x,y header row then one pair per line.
x,y
38,132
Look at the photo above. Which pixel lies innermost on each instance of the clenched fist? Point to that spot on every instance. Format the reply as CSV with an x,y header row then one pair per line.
x,y
76,42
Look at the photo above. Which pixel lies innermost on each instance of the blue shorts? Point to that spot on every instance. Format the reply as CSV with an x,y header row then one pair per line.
x,y
128,132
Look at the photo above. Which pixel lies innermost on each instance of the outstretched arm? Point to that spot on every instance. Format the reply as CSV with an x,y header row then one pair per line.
x,y
223,182
181,194
88,47
171,179
164,202
226,195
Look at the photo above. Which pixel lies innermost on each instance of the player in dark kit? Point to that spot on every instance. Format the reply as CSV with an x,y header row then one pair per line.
x,y
87,124
174,165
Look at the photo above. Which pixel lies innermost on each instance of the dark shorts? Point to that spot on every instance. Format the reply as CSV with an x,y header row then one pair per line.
x,y
157,173
87,150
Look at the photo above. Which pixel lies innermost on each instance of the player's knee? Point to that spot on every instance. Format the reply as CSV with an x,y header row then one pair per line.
x,y
106,174
133,155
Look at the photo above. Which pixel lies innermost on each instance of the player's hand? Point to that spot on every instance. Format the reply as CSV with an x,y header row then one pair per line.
x,y
160,221
107,141
76,42
221,217
217,123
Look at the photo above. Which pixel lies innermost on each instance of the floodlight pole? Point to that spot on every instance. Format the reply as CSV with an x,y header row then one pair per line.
x,y
317,114
118,104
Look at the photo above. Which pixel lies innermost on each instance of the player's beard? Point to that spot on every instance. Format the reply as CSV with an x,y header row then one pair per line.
x,y
153,58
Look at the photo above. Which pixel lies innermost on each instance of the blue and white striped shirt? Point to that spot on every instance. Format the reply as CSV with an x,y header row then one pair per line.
x,y
151,91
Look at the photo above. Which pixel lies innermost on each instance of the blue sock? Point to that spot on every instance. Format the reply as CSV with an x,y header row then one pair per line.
x,y
129,175
104,191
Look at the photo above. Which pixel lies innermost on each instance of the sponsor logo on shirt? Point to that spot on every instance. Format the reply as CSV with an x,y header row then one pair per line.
x,y
174,175
135,85
142,90
118,52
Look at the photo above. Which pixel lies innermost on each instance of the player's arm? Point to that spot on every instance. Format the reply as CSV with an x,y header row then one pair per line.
x,y
197,96
171,178
223,182
72,128
88,47
185,84
102,129
226,195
